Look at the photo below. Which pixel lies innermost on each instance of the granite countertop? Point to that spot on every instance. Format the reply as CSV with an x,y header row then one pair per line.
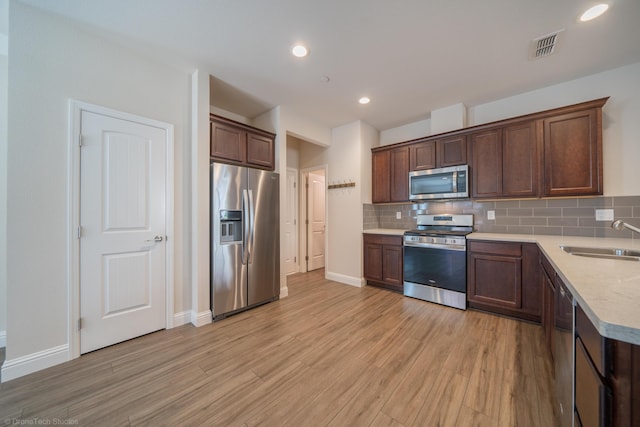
x,y
390,231
608,290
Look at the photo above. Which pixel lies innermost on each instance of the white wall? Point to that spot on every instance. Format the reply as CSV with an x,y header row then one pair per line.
x,y
293,152
313,155
48,66
4,60
305,128
621,124
344,205
229,115
406,132
369,138
200,313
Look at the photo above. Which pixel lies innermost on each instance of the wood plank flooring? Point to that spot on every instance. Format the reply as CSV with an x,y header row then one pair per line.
x,y
328,355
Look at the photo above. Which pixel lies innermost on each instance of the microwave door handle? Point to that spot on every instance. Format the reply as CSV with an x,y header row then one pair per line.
x,y
454,176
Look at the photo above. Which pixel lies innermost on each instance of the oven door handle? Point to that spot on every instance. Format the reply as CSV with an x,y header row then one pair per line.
x,y
461,248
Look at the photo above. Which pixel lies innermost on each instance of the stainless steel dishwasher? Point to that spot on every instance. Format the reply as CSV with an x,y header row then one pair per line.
x,y
564,359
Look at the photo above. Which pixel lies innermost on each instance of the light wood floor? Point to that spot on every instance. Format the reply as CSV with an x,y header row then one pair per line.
x,y
329,354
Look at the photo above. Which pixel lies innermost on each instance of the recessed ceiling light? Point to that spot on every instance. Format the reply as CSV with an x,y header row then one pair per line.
x,y
300,51
364,100
594,12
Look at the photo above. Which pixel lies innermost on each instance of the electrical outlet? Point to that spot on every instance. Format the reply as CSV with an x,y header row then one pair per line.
x,y
398,215
604,214
491,214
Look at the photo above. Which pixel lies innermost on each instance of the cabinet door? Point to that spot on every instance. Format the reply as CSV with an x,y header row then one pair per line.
x,y
422,155
452,151
373,262
573,153
495,280
591,394
520,161
548,303
486,164
380,173
260,151
399,185
228,142
392,265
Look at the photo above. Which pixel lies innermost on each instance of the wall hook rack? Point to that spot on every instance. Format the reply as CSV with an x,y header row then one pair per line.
x,y
342,185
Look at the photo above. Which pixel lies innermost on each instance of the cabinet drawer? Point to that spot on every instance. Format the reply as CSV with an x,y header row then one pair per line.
x,y
382,239
591,393
597,347
498,248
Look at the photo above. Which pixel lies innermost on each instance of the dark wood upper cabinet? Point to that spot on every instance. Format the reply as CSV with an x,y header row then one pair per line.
x,y
486,163
390,175
505,162
550,153
381,176
422,155
227,142
520,160
438,153
573,153
260,150
452,151
399,184
237,143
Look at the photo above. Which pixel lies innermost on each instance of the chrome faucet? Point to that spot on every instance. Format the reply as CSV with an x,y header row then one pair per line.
x,y
620,225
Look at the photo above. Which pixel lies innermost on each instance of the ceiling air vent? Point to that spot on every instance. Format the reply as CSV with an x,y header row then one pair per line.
x,y
545,45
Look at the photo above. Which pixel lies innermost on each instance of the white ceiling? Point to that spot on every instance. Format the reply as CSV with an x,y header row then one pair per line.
x,y
409,56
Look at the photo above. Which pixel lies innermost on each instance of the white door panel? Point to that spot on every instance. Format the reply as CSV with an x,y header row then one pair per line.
x,y
122,210
316,200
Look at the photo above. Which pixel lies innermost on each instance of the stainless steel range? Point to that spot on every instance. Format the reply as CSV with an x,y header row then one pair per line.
x,y
435,259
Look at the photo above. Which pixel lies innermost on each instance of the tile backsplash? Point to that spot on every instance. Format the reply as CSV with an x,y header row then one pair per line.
x,y
561,217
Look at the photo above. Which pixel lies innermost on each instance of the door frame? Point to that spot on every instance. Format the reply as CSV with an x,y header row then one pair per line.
x,y
303,238
73,215
296,208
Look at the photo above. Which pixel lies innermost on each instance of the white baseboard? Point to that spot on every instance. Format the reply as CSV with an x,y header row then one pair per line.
x,y
15,368
3,339
201,319
180,319
284,292
347,280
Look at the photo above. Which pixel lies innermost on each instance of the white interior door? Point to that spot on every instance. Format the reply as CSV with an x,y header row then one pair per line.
x,y
123,169
291,221
316,217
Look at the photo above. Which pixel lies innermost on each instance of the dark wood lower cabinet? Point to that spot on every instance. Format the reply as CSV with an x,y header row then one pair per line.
x,y
607,371
503,278
383,261
607,378
547,278
591,393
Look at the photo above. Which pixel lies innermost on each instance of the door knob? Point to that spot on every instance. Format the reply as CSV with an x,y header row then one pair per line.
x,y
155,239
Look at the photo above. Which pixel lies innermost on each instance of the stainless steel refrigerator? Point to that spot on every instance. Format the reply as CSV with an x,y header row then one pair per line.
x,y
245,238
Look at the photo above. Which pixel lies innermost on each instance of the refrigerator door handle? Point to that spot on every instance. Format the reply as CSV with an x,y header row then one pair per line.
x,y
246,225
251,227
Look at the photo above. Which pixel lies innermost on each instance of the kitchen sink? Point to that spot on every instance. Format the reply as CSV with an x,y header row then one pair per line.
x,y
623,254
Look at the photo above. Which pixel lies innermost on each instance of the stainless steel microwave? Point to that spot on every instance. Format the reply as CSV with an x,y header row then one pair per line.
x,y
440,183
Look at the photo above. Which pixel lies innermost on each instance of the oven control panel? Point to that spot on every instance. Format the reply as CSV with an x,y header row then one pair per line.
x,y
435,240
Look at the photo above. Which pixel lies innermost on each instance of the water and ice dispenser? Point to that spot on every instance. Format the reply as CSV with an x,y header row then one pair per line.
x,y
230,226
